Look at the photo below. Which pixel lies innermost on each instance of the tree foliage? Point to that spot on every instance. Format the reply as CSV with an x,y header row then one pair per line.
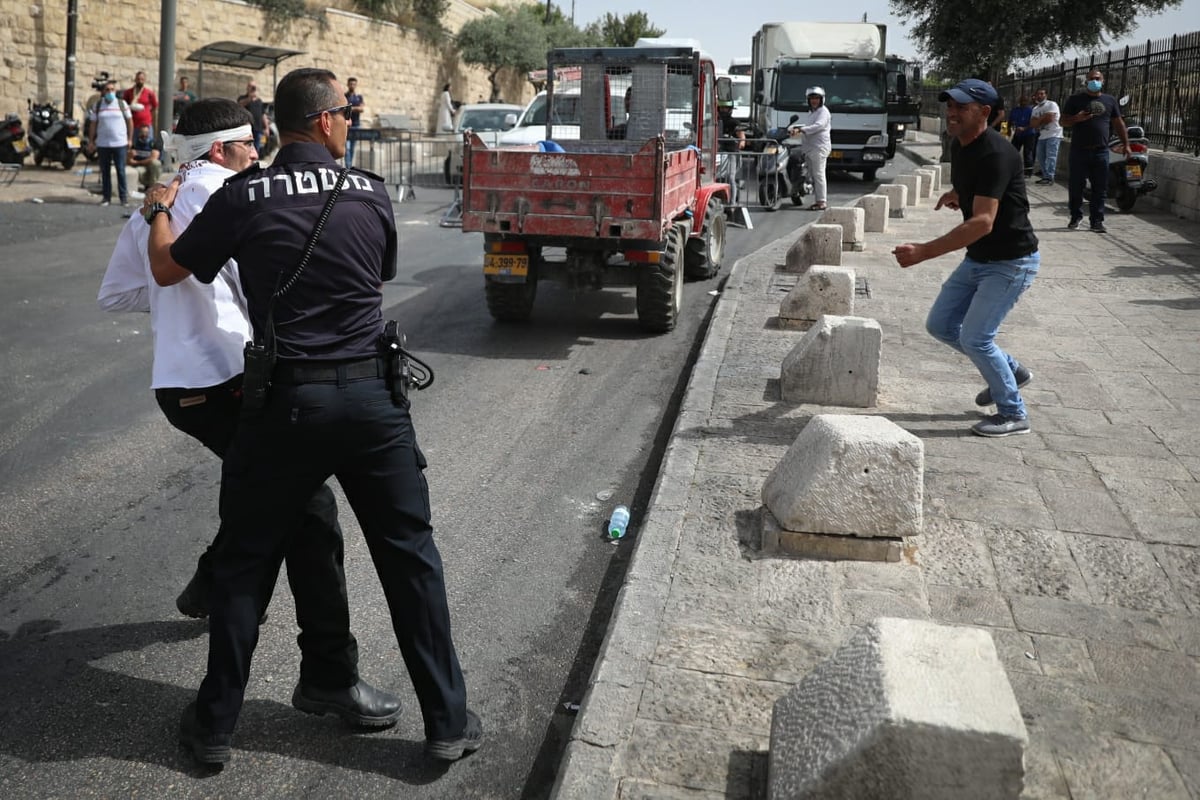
x,y
614,31
987,37
517,38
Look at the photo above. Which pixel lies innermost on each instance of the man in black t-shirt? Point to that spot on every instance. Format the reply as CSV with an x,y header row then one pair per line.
x,y
1091,115
1002,259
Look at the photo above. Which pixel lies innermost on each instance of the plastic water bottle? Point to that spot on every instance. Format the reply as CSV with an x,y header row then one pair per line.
x,y
617,522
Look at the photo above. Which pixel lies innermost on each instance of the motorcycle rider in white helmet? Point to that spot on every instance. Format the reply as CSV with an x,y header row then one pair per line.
x,y
817,143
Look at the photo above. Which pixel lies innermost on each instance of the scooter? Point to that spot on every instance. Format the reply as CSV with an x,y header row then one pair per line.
x,y
1127,173
781,171
53,136
13,144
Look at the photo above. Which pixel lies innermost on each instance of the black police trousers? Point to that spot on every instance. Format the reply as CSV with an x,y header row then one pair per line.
x,y
306,433
328,650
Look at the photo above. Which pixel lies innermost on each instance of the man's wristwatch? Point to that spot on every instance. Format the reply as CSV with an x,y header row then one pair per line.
x,y
156,209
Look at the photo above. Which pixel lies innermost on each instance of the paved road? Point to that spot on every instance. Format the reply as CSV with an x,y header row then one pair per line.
x,y
106,507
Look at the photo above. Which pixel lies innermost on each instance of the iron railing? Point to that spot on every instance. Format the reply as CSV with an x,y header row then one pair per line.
x,y
1161,79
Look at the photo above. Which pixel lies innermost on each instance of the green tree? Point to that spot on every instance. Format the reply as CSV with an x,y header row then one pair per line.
x,y
990,36
505,39
614,31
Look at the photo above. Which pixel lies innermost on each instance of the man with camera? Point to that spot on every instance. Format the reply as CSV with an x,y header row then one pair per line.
x,y
199,330
326,407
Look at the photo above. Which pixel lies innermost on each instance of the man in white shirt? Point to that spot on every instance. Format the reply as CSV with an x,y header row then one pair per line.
x,y
1050,133
199,334
817,143
110,133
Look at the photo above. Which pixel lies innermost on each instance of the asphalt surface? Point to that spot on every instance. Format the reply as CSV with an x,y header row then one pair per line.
x,y
532,432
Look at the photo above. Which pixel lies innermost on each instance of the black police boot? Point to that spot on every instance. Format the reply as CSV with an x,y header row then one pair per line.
x,y
193,600
361,705
208,748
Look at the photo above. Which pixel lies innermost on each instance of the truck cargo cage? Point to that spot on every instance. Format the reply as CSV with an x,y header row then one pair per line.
x,y
631,94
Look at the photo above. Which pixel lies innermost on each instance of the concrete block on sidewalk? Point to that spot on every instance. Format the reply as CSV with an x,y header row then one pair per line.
x,y
821,290
913,184
851,218
904,710
897,195
945,170
816,244
926,176
852,475
934,180
875,212
835,364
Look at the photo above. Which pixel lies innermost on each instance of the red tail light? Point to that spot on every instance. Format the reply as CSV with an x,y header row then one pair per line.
x,y
1137,147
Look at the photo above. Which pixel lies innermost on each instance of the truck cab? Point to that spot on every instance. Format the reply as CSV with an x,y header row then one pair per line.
x,y
903,99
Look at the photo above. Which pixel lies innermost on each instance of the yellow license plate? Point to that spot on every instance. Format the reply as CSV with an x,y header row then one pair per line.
x,y
501,264
835,155
73,141
19,145
1133,172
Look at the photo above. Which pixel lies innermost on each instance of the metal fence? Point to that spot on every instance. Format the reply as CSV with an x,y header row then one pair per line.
x,y
1160,77
409,161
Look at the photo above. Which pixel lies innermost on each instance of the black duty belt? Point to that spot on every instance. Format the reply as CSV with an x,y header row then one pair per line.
x,y
328,371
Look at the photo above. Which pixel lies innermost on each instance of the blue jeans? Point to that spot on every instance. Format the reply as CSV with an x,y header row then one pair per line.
x,y
113,157
349,159
967,314
1047,156
1092,166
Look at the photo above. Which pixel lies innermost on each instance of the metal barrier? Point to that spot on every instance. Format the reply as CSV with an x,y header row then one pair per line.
x,y
746,171
408,161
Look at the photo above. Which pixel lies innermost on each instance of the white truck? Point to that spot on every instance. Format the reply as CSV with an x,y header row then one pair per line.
x,y
847,60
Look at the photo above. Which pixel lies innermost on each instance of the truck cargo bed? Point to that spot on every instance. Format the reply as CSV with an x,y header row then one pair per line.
x,y
605,190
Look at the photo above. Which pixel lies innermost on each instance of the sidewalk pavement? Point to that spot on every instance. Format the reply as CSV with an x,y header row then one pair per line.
x,y
53,184
1077,547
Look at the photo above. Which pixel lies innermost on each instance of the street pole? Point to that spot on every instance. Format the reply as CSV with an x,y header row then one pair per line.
x,y
69,69
166,66
547,12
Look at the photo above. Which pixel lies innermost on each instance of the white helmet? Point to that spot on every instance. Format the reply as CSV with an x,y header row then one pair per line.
x,y
817,90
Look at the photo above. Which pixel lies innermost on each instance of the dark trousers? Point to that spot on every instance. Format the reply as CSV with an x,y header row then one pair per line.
x,y
1027,145
1090,166
329,652
113,158
306,433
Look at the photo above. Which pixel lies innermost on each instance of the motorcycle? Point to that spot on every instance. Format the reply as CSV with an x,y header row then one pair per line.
x,y
781,170
1127,173
53,136
13,144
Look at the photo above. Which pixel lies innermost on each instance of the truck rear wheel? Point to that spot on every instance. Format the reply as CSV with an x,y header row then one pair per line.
x,y
703,256
513,302
660,286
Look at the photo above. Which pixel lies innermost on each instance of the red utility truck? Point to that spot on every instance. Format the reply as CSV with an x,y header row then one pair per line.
x,y
631,202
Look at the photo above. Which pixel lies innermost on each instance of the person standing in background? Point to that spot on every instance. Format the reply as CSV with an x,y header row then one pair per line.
x,y
817,143
142,100
182,99
110,132
356,108
1045,121
1091,115
258,114
445,111
1024,136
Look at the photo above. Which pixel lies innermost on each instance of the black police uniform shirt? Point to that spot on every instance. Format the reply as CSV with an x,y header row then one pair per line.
x,y
991,167
263,218
1093,133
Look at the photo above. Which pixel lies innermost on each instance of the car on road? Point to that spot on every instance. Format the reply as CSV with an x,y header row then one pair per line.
x,y
487,121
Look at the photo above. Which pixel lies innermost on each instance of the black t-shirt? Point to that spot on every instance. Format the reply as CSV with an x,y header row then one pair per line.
x,y
1092,133
991,167
256,109
263,218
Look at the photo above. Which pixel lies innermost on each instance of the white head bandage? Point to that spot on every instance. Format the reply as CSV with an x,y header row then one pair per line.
x,y
189,148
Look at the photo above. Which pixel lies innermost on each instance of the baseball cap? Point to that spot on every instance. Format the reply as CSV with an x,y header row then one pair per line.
x,y
972,90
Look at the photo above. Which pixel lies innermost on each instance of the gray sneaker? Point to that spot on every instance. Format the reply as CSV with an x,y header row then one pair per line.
x,y
1023,377
998,425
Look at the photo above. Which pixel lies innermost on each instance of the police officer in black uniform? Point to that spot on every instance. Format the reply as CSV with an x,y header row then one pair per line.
x,y
328,410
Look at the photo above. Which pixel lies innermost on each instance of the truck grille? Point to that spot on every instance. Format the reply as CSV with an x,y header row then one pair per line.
x,y
851,137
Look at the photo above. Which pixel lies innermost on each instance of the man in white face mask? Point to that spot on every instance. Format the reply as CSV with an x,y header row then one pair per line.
x,y
1091,115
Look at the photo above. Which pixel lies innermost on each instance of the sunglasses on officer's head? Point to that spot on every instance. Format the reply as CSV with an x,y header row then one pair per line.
x,y
344,109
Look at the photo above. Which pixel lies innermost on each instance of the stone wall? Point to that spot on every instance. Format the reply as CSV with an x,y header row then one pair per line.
x,y
397,73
